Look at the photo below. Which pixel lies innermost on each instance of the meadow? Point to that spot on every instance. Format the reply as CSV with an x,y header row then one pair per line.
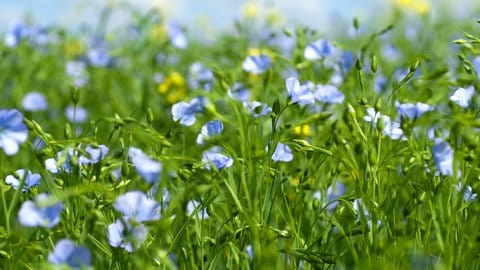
x,y
269,147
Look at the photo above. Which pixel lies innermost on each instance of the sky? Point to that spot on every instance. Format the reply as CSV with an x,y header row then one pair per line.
x,y
216,14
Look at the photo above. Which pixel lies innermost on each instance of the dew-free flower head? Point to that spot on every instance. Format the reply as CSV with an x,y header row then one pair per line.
x,y
210,129
29,179
257,109
193,205
68,254
463,96
443,157
93,155
282,153
177,37
391,128
412,111
148,168
126,234
239,91
43,212
200,77
299,93
328,94
13,131
185,112
468,194
256,64
213,156
76,70
318,49
34,101
136,205
63,161
76,114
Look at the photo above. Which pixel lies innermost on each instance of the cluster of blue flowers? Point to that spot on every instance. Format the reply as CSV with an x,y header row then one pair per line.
x,y
134,205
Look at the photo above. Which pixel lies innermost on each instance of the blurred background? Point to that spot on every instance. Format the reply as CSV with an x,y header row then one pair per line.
x,y
219,15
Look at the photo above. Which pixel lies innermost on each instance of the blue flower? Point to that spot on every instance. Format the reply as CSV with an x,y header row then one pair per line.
x,y
136,205
31,179
348,59
257,109
76,70
282,153
12,131
177,37
201,212
185,112
328,94
126,234
333,193
68,254
213,156
443,157
318,49
15,34
76,114
99,57
240,92
391,128
34,101
476,64
200,77
148,168
462,96
412,111
42,212
210,129
256,64
299,93
468,194
95,154
62,162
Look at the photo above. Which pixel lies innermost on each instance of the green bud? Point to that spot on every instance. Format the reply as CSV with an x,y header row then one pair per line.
x,y
380,124
29,124
363,101
287,32
75,95
38,129
378,105
358,64
414,67
356,24
125,169
421,197
373,64
67,131
351,110
4,255
149,116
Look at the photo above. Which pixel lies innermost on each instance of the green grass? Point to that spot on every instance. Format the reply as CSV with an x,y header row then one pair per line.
x,y
414,218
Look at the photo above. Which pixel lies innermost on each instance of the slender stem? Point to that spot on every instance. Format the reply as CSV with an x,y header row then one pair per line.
x,y
4,201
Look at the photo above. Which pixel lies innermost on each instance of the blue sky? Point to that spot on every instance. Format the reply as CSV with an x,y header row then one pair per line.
x,y
217,14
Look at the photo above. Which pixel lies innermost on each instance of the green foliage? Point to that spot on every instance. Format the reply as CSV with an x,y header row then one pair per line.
x,y
286,214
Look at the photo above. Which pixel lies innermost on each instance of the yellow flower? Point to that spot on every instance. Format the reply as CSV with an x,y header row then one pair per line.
x,y
418,6
173,87
303,130
73,48
274,17
295,181
158,32
250,10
